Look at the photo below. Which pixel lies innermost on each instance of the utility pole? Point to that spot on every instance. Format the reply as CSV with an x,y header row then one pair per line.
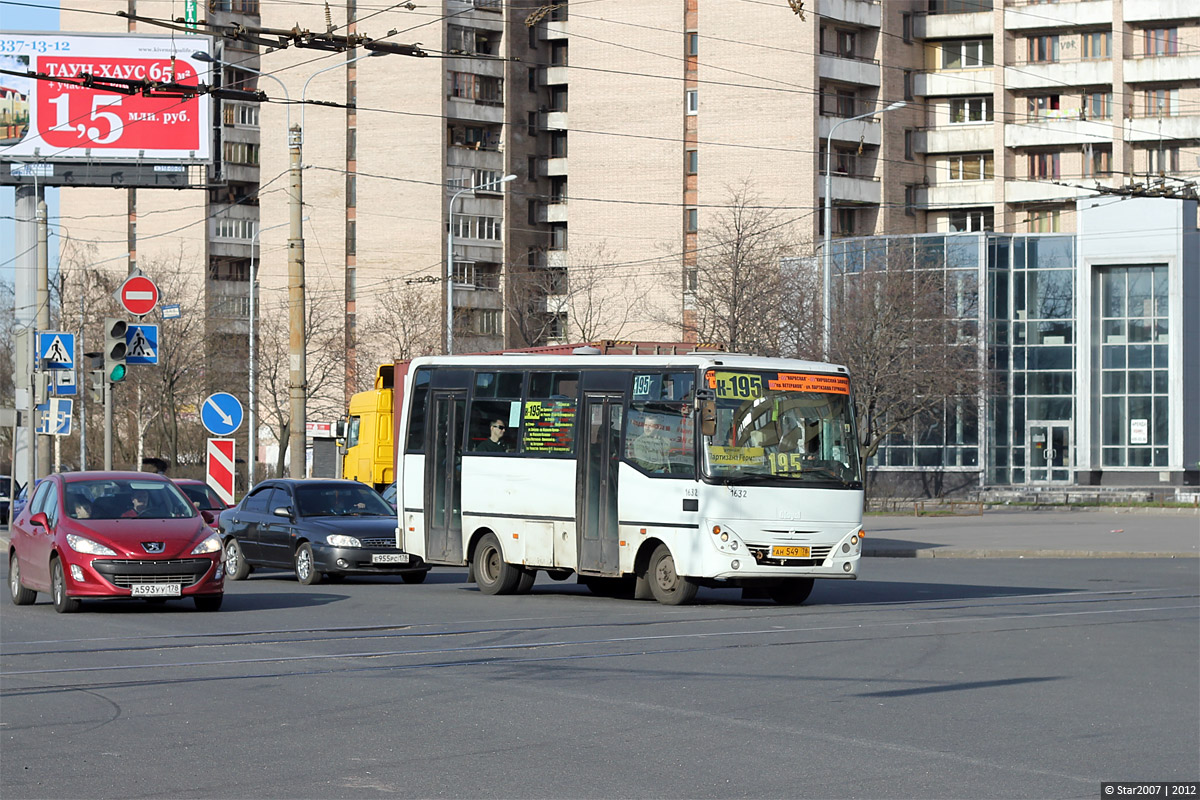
x,y
42,463
298,373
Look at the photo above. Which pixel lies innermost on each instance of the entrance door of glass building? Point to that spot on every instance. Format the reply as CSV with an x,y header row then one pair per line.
x,y
1049,448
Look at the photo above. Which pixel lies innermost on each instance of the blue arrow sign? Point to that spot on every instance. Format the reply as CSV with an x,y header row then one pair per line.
x,y
221,414
56,350
141,344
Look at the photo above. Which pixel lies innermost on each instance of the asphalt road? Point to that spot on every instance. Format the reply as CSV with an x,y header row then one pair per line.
x,y
959,678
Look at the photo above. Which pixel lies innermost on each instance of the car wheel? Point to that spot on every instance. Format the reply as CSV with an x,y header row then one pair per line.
x,y
58,590
236,568
208,602
668,586
414,577
791,592
492,573
306,568
19,594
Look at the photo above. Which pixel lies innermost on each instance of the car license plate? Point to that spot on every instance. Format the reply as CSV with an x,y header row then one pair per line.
x,y
156,590
787,551
389,558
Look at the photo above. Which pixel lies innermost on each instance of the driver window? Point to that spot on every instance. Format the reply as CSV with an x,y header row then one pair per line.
x,y
659,435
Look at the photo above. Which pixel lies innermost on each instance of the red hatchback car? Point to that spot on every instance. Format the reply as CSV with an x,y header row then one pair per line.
x,y
113,535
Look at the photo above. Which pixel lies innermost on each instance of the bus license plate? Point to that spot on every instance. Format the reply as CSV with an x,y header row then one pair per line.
x,y
787,551
156,590
389,558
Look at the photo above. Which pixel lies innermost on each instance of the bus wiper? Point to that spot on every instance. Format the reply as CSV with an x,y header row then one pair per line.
x,y
748,479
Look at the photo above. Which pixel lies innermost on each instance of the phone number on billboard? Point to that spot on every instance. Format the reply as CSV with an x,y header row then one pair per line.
x,y
36,46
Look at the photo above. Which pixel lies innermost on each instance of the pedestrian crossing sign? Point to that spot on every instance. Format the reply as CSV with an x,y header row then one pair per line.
x,y
56,350
142,344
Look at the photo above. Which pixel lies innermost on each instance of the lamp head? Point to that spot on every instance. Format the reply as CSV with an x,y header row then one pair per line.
x,y
200,55
897,104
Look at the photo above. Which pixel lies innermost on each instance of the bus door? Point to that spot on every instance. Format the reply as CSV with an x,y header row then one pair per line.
x,y
443,477
596,493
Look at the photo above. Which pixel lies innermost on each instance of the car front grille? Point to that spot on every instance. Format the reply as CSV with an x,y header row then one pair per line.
x,y
389,543
185,571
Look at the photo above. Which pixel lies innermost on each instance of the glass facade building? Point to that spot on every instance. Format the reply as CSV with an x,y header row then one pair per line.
x,y
1090,345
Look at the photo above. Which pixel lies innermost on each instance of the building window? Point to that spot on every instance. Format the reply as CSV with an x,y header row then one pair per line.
x,y
1098,105
1097,45
1161,41
972,220
558,98
1043,221
1161,102
1043,166
483,89
1162,160
1042,107
967,54
558,54
489,228
1042,49
1097,162
838,42
844,221
972,167
691,220
242,115
970,109
693,101
691,161
558,237
838,102
241,153
558,144
531,123
234,229
693,43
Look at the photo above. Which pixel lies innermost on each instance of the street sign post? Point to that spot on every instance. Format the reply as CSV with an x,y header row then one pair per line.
x,y
138,295
218,470
142,342
221,414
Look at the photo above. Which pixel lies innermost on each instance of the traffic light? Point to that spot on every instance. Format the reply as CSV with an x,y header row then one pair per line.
x,y
114,348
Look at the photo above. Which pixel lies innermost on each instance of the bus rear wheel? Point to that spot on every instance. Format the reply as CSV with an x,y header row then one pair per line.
x,y
668,586
493,574
791,592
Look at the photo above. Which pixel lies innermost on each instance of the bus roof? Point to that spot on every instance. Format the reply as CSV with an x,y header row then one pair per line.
x,y
694,360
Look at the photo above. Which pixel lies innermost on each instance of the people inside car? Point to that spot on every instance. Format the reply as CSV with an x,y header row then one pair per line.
x,y
139,504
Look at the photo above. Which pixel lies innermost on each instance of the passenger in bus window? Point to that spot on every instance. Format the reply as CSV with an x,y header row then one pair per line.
x,y
494,443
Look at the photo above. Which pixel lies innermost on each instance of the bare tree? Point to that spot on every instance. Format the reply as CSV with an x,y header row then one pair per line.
x,y
748,281
908,337
325,355
406,323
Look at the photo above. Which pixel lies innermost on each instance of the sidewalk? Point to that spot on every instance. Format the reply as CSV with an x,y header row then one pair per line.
x,y
1049,533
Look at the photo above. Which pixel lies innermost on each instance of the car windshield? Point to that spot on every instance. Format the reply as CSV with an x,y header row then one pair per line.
x,y
341,500
783,428
202,496
126,498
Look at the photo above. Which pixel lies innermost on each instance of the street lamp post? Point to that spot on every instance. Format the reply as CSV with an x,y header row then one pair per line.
x,y
826,248
450,257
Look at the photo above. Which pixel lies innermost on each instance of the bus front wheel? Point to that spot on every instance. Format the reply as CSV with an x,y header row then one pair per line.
x,y
668,586
493,574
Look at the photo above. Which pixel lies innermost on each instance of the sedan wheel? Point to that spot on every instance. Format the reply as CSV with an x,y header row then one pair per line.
x,y
236,568
306,568
19,594
58,589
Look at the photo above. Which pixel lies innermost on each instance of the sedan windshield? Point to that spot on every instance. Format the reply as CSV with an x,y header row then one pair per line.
x,y
340,500
780,427
121,499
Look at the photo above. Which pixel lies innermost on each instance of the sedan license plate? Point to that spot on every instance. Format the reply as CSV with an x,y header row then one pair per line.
x,y
789,551
389,558
156,590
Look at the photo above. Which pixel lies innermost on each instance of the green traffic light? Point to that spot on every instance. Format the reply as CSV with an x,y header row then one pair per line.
x,y
117,374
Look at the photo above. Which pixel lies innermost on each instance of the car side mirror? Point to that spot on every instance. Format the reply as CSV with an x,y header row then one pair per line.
x,y
208,517
708,417
39,520
283,511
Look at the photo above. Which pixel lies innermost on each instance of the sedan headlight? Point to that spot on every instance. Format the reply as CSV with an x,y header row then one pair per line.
x,y
341,540
81,544
210,545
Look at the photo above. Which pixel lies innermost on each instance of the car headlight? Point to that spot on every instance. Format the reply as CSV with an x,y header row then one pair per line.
x,y
81,544
211,544
341,540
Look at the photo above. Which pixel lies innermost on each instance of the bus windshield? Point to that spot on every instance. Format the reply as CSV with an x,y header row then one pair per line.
x,y
782,427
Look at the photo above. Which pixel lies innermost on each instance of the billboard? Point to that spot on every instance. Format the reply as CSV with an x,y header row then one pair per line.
x,y
48,120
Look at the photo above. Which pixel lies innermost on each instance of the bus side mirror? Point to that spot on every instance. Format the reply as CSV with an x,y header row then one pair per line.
x,y
708,417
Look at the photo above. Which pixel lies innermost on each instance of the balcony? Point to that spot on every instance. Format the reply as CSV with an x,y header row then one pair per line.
x,y
556,121
1152,129
965,138
1058,132
553,212
848,70
1162,68
1035,16
1059,74
555,76
952,26
952,82
866,13
957,193
474,111
554,30
866,131
852,189
1032,191
1159,10
555,166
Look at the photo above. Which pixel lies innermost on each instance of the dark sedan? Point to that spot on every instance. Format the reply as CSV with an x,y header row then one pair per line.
x,y
315,527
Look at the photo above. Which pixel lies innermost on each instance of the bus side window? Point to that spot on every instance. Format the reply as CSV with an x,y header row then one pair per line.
x,y
416,413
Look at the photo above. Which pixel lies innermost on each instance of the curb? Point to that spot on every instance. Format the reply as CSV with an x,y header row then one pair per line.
x,y
927,552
